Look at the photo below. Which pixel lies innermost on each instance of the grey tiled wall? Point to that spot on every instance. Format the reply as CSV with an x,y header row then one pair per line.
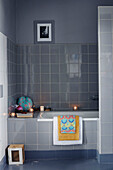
x,y
39,135
59,75
12,67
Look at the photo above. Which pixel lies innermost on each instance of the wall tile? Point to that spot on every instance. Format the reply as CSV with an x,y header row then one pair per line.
x,y
44,68
45,59
84,48
93,68
45,87
93,48
44,49
54,49
45,78
31,125
106,145
35,59
43,147
106,129
83,78
35,49
90,126
43,138
54,78
43,127
54,58
84,68
19,126
31,138
93,78
54,68
10,138
19,138
31,147
84,58
91,138
93,58
55,87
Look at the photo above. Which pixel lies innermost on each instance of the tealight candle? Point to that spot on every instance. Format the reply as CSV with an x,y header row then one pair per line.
x,y
75,108
31,109
41,108
12,114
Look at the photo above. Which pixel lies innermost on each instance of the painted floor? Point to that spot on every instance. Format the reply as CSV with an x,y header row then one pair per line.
x,y
90,164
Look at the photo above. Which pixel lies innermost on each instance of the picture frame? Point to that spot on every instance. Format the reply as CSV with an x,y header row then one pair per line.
x,y
44,31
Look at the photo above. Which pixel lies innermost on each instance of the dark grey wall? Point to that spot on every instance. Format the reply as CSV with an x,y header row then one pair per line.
x,y
8,18
75,20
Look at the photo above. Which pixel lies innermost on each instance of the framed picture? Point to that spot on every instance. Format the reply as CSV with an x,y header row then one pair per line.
x,y
44,31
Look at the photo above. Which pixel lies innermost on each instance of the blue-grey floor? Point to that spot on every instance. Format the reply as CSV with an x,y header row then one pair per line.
x,y
90,164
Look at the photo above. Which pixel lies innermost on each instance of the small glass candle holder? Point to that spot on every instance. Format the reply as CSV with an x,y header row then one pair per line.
x,y
75,108
12,114
31,109
41,108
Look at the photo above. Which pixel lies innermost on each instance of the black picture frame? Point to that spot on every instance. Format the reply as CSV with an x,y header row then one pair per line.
x,y
44,31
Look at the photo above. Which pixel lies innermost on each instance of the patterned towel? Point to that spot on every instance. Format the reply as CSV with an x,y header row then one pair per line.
x,y
68,124
68,136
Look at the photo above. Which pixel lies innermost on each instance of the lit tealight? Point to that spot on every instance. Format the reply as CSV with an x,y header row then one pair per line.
x,y
31,109
75,108
12,114
41,108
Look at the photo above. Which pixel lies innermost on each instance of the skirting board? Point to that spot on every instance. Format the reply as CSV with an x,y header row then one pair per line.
x,y
65,154
3,163
69,154
58,154
104,158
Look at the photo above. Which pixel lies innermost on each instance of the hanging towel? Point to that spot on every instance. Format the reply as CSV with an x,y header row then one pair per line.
x,y
68,136
66,142
68,124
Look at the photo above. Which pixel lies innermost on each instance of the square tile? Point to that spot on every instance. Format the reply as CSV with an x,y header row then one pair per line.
x,y
31,147
19,138
44,49
106,129
45,59
84,48
93,49
31,138
43,138
35,49
43,147
43,127
106,144
55,68
31,125
54,58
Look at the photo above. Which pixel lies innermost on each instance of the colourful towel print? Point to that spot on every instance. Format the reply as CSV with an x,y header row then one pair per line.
x,y
68,136
68,124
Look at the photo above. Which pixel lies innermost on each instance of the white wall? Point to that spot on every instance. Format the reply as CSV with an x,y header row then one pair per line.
x,y
105,79
3,100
